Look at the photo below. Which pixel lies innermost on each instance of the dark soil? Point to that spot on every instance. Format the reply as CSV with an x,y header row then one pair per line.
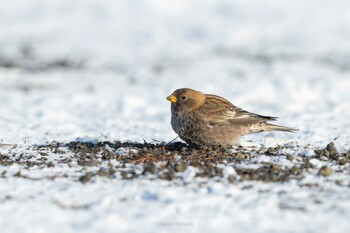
x,y
170,161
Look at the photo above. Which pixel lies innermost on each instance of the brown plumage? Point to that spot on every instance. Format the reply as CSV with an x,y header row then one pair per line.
x,y
204,119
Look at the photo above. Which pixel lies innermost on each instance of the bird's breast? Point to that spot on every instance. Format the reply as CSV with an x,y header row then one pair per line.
x,y
183,123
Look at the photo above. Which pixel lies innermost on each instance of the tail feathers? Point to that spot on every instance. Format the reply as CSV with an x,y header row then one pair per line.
x,y
279,128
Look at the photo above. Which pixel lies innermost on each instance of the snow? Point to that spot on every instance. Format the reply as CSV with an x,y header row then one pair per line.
x,y
285,59
189,174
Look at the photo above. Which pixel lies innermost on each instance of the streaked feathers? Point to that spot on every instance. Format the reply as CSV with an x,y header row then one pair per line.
x,y
205,119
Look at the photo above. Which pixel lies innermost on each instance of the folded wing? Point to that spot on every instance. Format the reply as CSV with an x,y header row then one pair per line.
x,y
219,111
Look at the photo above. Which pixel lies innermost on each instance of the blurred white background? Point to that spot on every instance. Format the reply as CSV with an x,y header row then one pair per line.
x,y
102,69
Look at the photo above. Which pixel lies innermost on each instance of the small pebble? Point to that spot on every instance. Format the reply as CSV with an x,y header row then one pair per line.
x,y
325,171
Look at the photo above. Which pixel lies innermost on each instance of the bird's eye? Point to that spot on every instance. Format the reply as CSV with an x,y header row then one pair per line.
x,y
184,97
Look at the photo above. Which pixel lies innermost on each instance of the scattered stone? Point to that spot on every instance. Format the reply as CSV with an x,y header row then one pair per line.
x,y
339,182
330,152
290,157
342,160
331,149
239,156
325,171
270,151
166,175
175,161
89,163
307,164
86,177
295,170
277,167
128,174
180,166
103,173
232,178
149,168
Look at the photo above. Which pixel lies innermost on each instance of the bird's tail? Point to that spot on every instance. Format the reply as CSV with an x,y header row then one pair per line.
x,y
269,127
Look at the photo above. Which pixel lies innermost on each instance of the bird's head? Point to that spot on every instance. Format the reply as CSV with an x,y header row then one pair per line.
x,y
186,99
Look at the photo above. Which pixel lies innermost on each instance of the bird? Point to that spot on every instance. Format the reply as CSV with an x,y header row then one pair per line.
x,y
210,120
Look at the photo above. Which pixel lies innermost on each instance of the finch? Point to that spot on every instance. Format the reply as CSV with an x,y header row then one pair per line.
x,y
210,120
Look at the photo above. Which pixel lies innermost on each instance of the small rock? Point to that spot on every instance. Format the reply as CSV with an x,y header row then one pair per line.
x,y
166,175
86,178
102,173
342,161
180,167
239,156
111,171
329,152
295,170
276,167
270,151
232,178
308,164
90,163
216,171
290,157
149,168
127,174
325,171
347,155
339,182
331,148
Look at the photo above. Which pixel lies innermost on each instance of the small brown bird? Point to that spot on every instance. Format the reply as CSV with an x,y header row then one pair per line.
x,y
204,119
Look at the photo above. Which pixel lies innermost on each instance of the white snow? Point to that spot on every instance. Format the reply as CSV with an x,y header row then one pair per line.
x,y
281,58
189,174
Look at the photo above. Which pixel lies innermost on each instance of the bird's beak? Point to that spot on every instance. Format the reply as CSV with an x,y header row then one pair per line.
x,y
171,98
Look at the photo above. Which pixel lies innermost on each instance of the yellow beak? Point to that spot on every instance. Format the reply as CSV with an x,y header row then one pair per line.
x,y
171,98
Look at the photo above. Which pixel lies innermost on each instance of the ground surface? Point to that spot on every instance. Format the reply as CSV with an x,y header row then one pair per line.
x,y
84,124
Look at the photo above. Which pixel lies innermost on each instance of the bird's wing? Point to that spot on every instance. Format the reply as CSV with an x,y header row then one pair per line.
x,y
219,111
